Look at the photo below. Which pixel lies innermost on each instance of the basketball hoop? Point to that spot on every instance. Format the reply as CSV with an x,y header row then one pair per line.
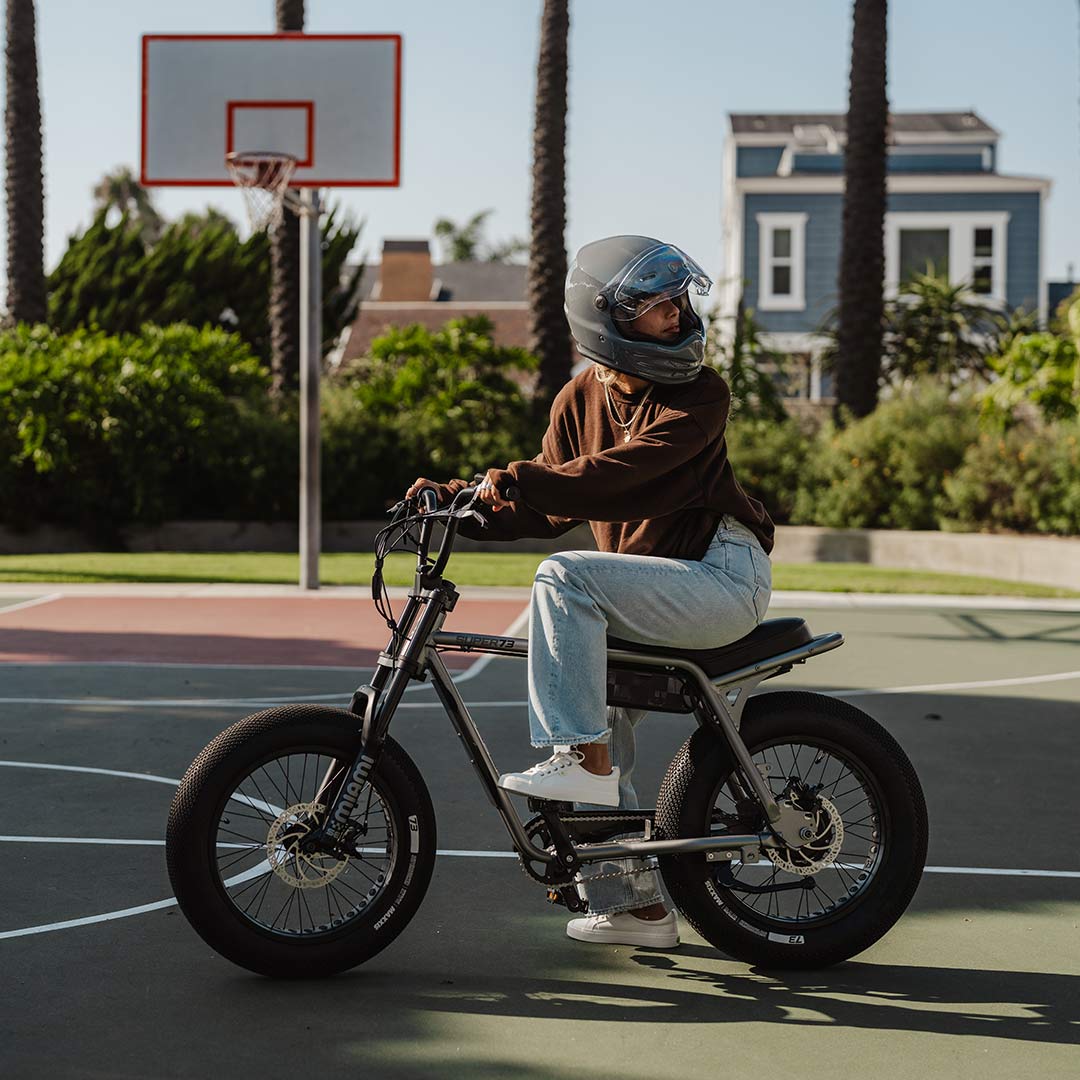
x,y
263,179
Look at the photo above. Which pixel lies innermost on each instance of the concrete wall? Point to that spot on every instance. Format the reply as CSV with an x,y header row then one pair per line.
x,y
1041,560
1045,560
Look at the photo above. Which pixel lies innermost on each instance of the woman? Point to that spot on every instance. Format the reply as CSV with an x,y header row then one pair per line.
x,y
636,447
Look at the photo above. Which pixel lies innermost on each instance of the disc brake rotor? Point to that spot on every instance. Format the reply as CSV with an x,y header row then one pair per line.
x,y
300,869
820,850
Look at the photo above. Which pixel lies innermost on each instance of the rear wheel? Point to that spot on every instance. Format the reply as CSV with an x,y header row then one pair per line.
x,y
830,899
236,854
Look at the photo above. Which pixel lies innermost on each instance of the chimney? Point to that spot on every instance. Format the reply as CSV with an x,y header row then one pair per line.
x,y
406,270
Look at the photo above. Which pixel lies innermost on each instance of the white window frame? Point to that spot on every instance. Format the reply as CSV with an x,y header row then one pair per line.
x,y
961,226
767,224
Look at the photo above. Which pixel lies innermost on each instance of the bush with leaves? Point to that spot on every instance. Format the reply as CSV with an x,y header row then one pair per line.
x,y
769,459
937,328
750,368
886,470
197,271
437,403
1041,371
1024,480
103,431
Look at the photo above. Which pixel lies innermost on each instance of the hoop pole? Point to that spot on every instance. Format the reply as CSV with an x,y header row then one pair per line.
x,y
310,361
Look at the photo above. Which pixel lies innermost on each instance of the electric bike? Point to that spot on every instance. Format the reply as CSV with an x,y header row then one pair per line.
x,y
790,829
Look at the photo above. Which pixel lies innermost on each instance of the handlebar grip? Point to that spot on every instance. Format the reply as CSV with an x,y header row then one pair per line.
x,y
429,498
511,493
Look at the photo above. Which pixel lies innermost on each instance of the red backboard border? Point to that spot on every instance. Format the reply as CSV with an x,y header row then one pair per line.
x,y
395,181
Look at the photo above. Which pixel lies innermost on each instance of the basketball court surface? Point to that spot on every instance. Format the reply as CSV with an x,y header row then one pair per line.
x,y
107,694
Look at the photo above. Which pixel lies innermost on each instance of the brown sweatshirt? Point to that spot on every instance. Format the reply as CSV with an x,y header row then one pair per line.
x,y
662,493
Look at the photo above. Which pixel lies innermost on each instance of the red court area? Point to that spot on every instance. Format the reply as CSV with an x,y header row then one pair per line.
x,y
318,631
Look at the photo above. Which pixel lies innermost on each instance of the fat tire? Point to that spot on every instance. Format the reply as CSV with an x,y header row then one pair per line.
x,y
684,806
191,834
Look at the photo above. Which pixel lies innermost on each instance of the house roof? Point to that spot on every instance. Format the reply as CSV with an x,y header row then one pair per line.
x,y
908,123
467,282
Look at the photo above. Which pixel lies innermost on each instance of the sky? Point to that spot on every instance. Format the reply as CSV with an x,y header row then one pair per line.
x,y
650,88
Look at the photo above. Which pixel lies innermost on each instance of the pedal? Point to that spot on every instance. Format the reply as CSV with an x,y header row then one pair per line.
x,y
568,898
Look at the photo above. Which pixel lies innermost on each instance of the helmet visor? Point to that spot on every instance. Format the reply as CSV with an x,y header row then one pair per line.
x,y
661,273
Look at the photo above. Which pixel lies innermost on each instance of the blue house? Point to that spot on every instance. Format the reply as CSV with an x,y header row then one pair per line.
x,y
946,204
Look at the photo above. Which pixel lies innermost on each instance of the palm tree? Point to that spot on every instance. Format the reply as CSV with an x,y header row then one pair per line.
x,y
24,187
120,189
862,257
461,243
549,337
284,307
465,243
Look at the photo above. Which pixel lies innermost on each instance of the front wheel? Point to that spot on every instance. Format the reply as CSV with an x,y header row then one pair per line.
x,y
236,859
821,903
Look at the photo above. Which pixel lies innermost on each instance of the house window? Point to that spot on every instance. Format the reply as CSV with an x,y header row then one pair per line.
x,y
982,263
781,262
965,247
924,251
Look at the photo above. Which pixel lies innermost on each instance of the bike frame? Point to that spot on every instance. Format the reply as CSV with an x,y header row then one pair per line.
x,y
414,653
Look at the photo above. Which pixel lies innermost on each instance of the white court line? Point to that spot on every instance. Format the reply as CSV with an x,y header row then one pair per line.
x,y
1059,676
244,703
470,672
88,769
30,603
464,853
261,868
228,703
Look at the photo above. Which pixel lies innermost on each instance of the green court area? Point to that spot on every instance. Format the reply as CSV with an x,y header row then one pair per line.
x,y
470,568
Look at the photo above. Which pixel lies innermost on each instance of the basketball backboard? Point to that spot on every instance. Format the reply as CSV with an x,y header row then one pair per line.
x,y
332,101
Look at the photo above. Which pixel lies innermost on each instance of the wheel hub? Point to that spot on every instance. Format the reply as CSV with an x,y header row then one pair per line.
x,y
285,849
822,845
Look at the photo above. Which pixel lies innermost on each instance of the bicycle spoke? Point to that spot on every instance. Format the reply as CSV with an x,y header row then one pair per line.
x,y
815,770
275,899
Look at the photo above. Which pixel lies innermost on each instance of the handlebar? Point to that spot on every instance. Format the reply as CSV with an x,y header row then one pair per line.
x,y
460,508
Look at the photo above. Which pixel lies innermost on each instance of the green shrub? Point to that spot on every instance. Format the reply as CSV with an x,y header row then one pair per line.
x,y
440,404
198,271
885,471
1039,369
769,459
102,431
1026,480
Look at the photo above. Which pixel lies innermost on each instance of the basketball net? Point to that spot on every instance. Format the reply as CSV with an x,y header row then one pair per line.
x,y
263,179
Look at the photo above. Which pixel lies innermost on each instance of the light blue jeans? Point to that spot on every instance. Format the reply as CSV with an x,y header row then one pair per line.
x,y
581,597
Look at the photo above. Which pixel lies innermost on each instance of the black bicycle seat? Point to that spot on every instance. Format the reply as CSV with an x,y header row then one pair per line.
x,y
766,640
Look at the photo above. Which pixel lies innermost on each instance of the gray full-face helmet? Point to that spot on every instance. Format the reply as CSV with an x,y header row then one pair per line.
x,y
612,282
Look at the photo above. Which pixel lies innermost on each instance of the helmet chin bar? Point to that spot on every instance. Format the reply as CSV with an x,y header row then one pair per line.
x,y
653,369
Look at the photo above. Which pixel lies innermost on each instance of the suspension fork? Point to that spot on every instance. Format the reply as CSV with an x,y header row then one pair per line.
x,y
403,660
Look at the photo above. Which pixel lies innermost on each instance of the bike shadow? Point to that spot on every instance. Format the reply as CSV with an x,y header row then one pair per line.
x,y
1027,1006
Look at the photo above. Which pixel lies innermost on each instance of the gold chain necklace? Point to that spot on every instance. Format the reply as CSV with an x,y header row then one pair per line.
x,y
615,420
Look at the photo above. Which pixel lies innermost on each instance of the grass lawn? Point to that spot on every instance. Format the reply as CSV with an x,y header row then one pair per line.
x,y
466,568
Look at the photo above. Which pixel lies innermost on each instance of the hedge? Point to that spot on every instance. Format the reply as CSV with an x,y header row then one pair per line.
x,y
100,432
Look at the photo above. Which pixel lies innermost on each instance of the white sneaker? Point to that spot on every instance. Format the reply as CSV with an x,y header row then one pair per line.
x,y
622,928
563,779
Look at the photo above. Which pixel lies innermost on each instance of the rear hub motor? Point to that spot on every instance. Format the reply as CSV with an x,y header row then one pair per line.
x,y
823,837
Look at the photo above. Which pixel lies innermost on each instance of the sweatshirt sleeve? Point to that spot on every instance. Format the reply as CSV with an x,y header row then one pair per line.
x,y
650,476
521,520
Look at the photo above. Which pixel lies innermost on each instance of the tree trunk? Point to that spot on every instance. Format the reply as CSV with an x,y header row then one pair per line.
x,y
284,307
862,257
549,336
24,186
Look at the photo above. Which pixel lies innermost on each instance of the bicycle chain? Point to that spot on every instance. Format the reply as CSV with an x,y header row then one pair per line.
x,y
649,868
